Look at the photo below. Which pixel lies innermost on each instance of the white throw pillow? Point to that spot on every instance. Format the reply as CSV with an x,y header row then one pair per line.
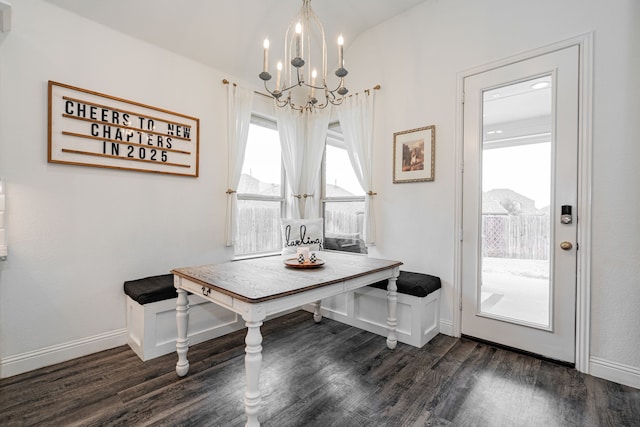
x,y
298,233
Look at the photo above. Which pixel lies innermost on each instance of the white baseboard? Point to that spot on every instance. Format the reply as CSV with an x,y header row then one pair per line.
x,y
446,327
25,362
616,372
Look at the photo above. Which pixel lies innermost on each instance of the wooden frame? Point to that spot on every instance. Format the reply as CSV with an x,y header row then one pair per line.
x,y
413,151
88,128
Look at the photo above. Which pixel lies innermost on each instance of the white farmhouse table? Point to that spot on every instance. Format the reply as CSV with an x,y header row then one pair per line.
x,y
257,288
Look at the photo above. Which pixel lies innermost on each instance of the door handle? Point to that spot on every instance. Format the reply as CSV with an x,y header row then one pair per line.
x,y
566,246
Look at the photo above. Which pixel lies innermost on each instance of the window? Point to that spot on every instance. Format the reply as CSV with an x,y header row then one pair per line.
x,y
343,198
260,192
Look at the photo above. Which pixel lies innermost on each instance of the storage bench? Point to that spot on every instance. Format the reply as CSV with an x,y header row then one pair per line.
x,y
417,312
151,317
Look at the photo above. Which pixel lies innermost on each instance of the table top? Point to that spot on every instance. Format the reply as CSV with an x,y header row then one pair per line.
x,y
261,279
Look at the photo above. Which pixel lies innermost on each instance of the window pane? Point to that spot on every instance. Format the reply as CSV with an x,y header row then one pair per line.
x,y
340,178
258,225
262,170
343,226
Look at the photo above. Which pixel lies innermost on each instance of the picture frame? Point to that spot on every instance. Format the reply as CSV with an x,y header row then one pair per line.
x,y
414,155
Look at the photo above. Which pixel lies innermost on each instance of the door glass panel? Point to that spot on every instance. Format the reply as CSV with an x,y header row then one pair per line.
x,y
516,195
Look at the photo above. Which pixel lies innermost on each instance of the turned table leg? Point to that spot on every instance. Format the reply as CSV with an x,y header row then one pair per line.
x,y
253,363
317,315
392,322
182,342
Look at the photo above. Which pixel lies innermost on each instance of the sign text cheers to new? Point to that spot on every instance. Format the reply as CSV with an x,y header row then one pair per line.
x,y
91,129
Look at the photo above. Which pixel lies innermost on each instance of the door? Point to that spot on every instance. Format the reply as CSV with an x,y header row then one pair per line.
x,y
519,203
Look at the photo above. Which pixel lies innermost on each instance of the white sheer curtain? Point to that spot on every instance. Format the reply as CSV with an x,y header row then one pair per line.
x,y
316,136
291,133
356,119
239,103
302,139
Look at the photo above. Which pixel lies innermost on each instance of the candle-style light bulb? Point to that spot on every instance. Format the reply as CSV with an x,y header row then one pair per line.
x,y
265,44
341,71
298,39
340,51
314,74
297,61
279,68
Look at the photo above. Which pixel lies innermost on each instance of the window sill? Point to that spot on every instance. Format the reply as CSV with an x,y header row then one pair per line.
x,y
260,255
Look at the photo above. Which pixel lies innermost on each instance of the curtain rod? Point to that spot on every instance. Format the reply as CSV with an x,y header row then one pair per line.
x,y
226,82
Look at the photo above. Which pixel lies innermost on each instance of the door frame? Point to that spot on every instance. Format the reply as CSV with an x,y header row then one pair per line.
x,y
585,148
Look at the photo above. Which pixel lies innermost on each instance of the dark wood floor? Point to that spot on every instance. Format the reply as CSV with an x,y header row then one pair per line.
x,y
319,375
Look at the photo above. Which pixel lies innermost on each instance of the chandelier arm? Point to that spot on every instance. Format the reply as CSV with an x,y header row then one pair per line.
x,y
340,84
295,107
290,87
321,106
314,87
337,101
281,104
278,93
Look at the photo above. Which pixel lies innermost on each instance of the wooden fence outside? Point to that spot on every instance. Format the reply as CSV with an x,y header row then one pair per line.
x,y
261,230
516,236
343,222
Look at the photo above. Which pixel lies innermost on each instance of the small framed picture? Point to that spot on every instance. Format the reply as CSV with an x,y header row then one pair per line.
x,y
414,155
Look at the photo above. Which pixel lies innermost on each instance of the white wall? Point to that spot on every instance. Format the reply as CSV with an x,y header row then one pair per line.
x,y
422,51
76,233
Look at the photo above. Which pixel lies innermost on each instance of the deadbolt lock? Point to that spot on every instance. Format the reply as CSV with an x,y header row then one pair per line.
x,y
566,217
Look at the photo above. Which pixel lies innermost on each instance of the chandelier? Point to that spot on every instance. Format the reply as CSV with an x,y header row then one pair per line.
x,y
302,86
